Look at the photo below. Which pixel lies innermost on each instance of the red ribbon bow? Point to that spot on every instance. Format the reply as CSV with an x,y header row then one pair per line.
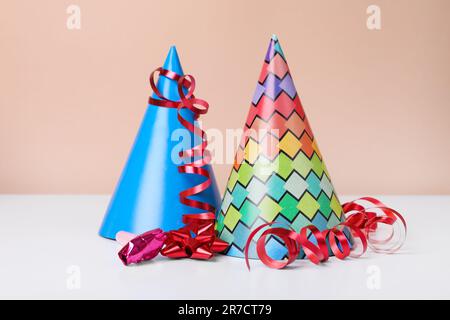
x,y
197,240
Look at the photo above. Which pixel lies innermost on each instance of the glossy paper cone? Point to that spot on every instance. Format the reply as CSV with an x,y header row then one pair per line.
x,y
279,174
147,194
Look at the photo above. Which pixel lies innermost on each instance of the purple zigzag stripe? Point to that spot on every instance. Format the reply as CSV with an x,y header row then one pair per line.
x,y
259,91
272,86
288,86
270,52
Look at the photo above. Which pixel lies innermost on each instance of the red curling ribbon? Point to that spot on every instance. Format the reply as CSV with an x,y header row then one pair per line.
x,y
363,223
197,239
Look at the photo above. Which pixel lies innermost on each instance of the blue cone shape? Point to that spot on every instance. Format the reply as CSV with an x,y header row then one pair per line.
x,y
147,195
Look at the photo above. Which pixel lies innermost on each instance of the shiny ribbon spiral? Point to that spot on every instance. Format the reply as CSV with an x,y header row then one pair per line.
x,y
362,222
181,243
198,107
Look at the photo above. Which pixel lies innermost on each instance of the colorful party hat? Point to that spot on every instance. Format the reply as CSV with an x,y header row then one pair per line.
x,y
147,195
279,174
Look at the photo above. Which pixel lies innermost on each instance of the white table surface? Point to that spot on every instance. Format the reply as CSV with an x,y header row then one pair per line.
x,y
49,248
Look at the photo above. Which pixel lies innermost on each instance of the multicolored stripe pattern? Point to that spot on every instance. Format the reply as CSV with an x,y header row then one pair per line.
x,y
278,174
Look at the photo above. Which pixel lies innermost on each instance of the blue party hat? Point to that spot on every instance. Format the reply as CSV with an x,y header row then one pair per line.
x,y
147,194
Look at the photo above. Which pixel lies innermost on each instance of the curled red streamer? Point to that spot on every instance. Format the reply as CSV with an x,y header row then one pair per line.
x,y
361,221
197,239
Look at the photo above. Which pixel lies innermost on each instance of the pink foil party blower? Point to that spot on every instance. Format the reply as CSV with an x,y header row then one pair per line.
x,y
143,247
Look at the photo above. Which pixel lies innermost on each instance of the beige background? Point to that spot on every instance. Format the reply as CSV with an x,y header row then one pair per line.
x,y
378,101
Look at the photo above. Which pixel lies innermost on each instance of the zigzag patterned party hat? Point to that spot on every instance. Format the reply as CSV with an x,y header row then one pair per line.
x,y
278,174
